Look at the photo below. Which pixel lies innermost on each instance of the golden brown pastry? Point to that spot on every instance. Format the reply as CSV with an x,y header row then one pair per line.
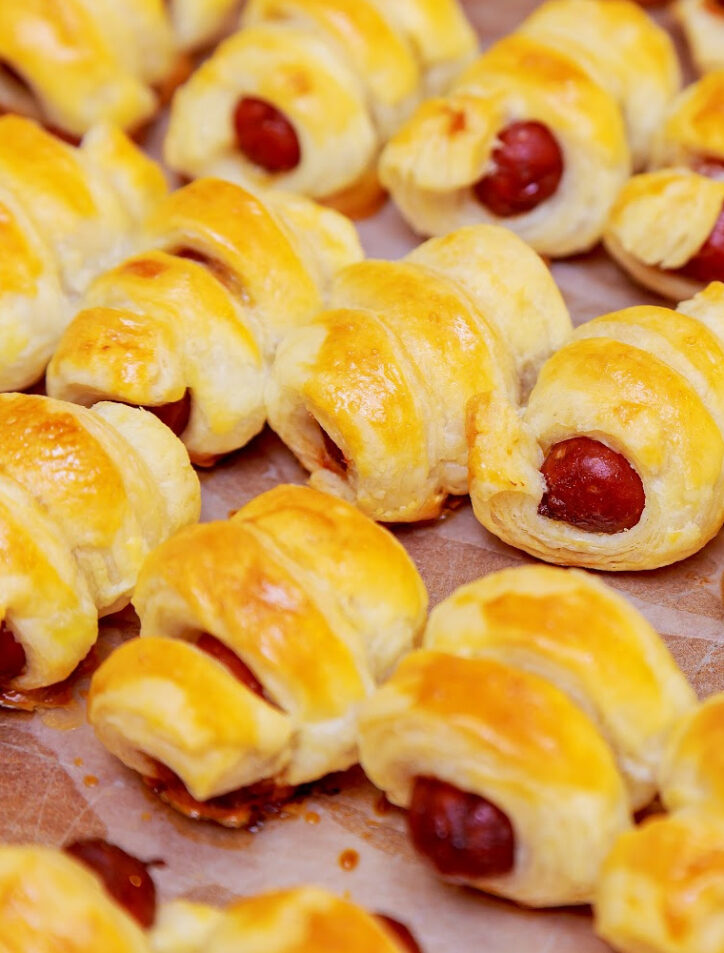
x,y
295,920
693,132
667,231
703,25
617,461
260,637
371,395
525,732
533,133
188,330
65,214
84,496
72,63
692,773
304,95
662,887
74,901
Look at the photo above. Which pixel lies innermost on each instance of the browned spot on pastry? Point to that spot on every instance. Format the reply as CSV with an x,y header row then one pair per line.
x,y
125,877
50,696
592,487
144,267
715,6
265,135
458,122
247,807
708,263
218,269
183,67
464,835
527,168
222,653
400,932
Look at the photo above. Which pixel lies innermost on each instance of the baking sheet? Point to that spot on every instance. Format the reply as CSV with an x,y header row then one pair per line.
x,y
58,783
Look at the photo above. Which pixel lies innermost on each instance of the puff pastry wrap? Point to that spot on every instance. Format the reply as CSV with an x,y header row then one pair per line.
x,y
84,496
662,887
198,318
703,25
545,693
318,603
296,920
370,396
666,227
49,902
65,214
647,384
343,74
73,63
562,85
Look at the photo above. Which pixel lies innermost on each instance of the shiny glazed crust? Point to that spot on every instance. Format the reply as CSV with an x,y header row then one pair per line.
x,y
65,214
513,738
576,66
159,324
581,635
316,600
86,494
344,72
634,381
692,773
704,29
659,222
387,371
51,902
662,887
297,920
693,129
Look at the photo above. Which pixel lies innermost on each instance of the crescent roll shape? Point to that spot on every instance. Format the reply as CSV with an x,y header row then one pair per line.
x,y
65,214
199,320
662,887
692,773
296,920
304,95
532,134
623,50
85,495
50,902
313,601
513,740
370,395
703,25
568,627
693,133
617,461
667,231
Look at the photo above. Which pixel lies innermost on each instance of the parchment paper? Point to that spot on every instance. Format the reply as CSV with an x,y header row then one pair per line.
x,y
58,783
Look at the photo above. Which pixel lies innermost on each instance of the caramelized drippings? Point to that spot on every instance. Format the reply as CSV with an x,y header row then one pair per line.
x,y
50,696
400,932
125,877
348,860
463,834
247,807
